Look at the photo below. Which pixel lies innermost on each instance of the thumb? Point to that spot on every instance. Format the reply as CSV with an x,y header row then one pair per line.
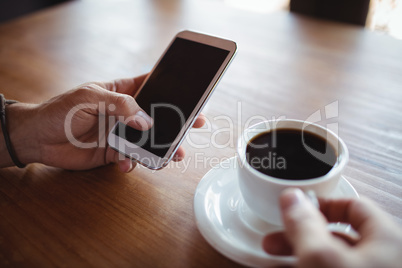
x,y
124,107
305,226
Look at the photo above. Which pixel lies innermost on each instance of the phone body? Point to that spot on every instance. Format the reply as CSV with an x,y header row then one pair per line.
x,y
174,94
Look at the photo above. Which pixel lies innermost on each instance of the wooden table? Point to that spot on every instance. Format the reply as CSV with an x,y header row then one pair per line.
x,y
286,65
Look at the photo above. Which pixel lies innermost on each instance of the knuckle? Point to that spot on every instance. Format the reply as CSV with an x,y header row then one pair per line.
x,y
125,101
86,90
90,86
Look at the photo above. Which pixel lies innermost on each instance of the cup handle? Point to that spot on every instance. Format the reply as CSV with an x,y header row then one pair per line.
x,y
313,198
344,230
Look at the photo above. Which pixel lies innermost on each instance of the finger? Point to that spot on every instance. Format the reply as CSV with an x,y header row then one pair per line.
x,y
127,86
277,244
200,121
126,106
179,155
140,121
125,164
364,216
122,106
306,231
305,227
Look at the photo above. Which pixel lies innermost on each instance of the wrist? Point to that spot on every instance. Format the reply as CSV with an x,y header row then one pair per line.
x,y
22,133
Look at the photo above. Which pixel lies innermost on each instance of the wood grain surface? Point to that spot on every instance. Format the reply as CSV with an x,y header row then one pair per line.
x,y
287,65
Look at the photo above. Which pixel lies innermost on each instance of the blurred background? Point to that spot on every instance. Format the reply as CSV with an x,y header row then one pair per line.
x,y
383,16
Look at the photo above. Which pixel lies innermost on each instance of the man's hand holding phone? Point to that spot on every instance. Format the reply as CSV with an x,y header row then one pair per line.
x,y
71,130
48,124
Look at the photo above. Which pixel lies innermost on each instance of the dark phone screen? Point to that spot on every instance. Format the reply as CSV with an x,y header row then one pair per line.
x,y
172,91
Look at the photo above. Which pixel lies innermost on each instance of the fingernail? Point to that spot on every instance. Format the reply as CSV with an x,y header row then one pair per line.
x,y
143,119
292,197
130,167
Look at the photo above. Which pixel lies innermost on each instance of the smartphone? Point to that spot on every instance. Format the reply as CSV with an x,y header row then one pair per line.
x,y
173,94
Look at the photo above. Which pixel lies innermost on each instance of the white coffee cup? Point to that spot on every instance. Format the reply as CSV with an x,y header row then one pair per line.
x,y
261,192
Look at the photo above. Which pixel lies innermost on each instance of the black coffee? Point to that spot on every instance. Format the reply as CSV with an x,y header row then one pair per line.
x,y
291,154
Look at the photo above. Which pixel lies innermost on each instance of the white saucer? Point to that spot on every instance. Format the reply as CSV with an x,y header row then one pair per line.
x,y
229,226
